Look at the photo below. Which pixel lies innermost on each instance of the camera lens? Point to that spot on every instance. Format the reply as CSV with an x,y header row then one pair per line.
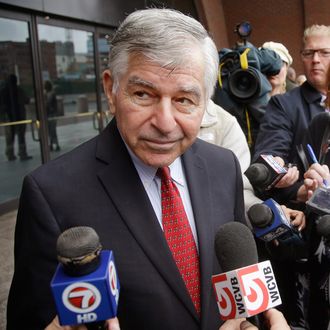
x,y
244,29
244,85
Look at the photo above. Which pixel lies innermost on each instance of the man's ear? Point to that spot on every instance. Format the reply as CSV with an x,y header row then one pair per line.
x,y
107,86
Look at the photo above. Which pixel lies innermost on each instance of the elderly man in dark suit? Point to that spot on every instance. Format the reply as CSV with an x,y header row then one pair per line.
x,y
162,70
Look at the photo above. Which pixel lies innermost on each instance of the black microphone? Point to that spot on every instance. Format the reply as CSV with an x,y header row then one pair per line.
x,y
246,288
265,173
269,222
85,285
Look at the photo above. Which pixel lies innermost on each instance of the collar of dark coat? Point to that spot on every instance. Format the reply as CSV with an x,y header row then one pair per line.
x,y
310,94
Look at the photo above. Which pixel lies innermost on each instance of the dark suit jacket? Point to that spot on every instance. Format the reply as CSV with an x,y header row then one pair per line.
x,y
97,185
285,126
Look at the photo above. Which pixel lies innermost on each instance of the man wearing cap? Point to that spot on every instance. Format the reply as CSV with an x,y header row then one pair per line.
x,y
278,81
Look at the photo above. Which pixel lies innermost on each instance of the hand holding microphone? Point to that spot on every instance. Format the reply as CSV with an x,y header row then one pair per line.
x,y
290,177
265,173
246,288
269,222
274,319
111,324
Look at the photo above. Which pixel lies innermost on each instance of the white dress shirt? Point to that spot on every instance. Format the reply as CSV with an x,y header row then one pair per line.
x,y
152,185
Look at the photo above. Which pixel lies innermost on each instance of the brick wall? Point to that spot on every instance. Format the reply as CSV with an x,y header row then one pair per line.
x,y
272,20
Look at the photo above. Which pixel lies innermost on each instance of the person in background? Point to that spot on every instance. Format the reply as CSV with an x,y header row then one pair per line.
x,y
301,79
278,81
13,100
221,128
51,109
158,85
288,115
291,79
282,133
243,88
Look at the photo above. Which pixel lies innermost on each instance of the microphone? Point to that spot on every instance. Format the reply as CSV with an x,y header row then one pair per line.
x,y
265,173
269,222
85,285
246,288
319,203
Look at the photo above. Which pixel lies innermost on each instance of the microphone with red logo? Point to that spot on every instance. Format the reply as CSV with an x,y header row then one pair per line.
x,y
265,173
246,288
85,285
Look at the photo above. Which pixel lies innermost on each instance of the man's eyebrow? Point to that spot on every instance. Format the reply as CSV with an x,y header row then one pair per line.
x,y
191,90
135,80
194,90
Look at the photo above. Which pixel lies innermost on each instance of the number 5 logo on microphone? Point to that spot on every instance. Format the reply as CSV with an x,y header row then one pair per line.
x,y
254,289
226,300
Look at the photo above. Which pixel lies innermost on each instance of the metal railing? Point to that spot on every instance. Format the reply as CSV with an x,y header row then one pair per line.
x,y
97,117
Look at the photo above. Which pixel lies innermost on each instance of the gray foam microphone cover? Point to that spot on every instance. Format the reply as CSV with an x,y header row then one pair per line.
x,y
77,242
235,246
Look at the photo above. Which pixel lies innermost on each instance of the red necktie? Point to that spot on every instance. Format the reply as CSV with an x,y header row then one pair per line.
x,y
179,235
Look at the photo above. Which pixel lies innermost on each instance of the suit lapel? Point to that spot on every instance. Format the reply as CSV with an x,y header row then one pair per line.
x,y
199,189
122,183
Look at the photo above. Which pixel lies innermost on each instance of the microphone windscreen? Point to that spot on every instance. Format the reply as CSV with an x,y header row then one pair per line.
x,y
77,242
260,215
235,246
257,174
323,226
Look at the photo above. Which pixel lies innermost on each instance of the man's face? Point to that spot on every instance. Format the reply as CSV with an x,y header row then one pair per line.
x,y
158,111
317,66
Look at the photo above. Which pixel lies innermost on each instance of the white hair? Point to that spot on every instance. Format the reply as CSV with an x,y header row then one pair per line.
x,y
316,30
165,36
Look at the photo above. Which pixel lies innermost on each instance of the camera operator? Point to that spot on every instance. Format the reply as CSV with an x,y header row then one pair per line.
x,y
243,89
279,81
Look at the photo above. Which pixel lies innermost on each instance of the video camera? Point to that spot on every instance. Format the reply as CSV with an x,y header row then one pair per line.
x,y
243,84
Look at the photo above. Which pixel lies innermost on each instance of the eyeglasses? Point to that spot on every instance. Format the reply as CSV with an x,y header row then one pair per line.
x,y
309,53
